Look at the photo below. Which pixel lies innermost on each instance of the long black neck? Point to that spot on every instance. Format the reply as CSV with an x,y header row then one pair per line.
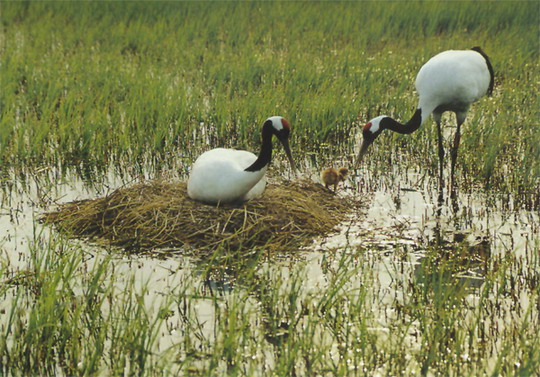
x,y
265,155
408,128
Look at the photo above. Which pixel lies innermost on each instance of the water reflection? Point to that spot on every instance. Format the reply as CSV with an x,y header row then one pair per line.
x,y
407,236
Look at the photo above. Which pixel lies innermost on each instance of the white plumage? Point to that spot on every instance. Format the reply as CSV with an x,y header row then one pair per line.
x,y
227,175
218,174
449,81
452,80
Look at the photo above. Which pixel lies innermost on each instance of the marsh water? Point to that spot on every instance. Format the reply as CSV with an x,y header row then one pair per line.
x,y
401,224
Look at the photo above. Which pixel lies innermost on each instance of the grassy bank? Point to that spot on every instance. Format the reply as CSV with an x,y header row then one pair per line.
x,y
89,83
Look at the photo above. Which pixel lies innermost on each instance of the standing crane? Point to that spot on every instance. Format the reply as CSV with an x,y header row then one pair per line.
x,y
449,81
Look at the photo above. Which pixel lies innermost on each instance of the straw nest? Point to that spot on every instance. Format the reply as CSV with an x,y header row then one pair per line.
x,y
156,215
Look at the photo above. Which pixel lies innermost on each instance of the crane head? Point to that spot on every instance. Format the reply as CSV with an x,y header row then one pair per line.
x,y
370,131
280,127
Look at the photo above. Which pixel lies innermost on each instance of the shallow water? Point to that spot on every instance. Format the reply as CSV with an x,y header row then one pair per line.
x,y
401,224
397,217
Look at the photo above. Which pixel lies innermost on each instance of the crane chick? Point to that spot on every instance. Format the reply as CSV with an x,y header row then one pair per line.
x,y
332,176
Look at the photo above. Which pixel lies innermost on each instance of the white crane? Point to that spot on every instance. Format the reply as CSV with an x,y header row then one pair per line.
x,y
449,81
228,175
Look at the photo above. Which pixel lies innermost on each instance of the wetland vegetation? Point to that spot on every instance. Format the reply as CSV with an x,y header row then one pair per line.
x,y
96,96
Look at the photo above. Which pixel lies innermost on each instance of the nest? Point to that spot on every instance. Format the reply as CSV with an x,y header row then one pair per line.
x,y
160,215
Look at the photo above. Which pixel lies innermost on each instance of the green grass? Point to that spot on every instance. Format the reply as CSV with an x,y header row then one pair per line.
x,y
143,87
67,317
63,317
93,84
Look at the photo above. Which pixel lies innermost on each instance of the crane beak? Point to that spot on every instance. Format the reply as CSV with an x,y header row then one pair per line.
x,y
363,149
285,143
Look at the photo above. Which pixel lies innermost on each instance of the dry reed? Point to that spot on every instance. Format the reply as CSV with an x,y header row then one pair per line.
x,y
156,215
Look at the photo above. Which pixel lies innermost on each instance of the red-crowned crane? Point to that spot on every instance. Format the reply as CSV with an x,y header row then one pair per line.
x,y
228,175
449,81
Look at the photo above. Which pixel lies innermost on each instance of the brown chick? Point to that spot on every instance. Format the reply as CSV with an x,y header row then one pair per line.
x,y
343,173
332,176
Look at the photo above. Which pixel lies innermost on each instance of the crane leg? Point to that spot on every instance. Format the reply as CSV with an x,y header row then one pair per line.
x,y
453,155
441,155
